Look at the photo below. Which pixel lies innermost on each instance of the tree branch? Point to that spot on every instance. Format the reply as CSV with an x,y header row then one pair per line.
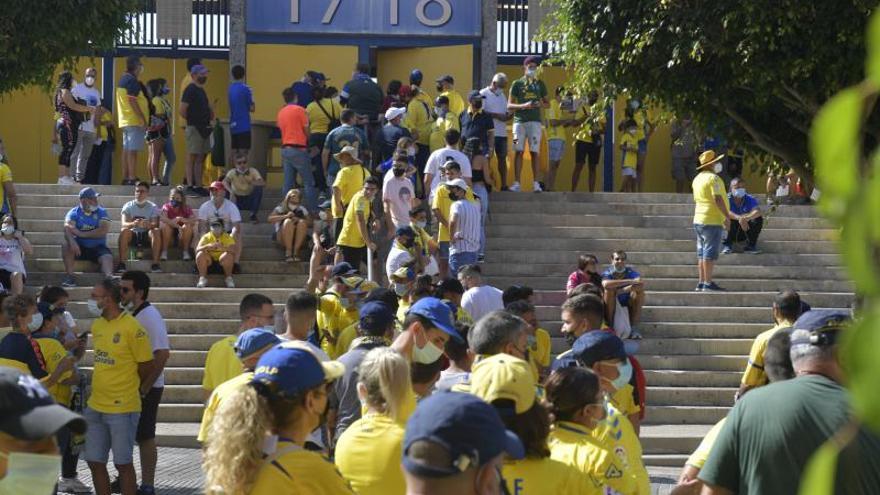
x,y
770,145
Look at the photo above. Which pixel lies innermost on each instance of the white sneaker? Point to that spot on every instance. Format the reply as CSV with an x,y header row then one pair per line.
x,y
186,256
65,181
164,256
73,485
203,281
536,186
515,187
230,284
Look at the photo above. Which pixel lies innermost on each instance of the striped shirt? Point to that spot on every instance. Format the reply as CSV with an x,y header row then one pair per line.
x,y
466,214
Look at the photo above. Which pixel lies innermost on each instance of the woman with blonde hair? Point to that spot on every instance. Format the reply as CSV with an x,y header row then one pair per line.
x,y
287,398
369,451
292,221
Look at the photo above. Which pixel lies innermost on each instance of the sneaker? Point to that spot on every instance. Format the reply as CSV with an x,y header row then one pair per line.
x,y
201,191
115,486
700,287
164,256
505,188
120,267
712,286
514,187
203,281
236,268
155,268
726,250
186,256
69,281
191,191
66,181
536,186
230,284
751,250
73,485
634,334
146,490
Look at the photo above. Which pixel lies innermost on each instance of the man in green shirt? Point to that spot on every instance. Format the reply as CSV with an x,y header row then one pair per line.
x,y
528,95
771,432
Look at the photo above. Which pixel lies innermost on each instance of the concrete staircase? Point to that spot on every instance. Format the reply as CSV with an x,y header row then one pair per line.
x,y
695,344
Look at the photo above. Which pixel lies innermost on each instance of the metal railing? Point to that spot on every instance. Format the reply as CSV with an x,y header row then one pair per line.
x,y
210,28
513,39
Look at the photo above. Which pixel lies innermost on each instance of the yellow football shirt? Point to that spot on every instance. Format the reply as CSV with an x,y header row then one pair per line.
x,y
443,203
573,445
53,353
555,112
225,240
349,180
698,458
332,319
221,364
706,186
350,236
223,391
319,122
346,337
439,128
546,475
299,471
754,375
624,401
418,118
539,353
586,130
618,433
456,102
368,455
119,346
5,176
629,158
126,116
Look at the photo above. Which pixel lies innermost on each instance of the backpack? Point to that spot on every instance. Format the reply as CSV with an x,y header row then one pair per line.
x,y
334,121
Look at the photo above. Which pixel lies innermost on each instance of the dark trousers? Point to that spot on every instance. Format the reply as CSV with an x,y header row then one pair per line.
x,y
736,233
422,154
99,169
68,458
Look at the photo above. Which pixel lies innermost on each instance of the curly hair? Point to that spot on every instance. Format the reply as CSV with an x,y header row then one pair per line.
x,y
17,306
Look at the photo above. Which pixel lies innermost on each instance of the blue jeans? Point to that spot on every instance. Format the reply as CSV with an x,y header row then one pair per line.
x,y
481,192
251,202
170,158
708,241
296,161
110,431
458,260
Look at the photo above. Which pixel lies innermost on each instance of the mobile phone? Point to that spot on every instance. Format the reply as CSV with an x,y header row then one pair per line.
x,y
84,335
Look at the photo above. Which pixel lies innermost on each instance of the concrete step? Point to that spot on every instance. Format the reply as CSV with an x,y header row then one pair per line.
x,y
192,294
246,281
257,250
684,415
54,225
604,197
180,413
497,229
669,440
674,378
562,263
690,396
712,330
540,283
180,435
693,362
725,298
695,346
619,219
548,315
675,461
271,199
174,310
175,267
623,208
54,238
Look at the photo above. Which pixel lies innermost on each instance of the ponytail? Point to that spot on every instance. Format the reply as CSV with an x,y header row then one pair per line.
x,y
385,375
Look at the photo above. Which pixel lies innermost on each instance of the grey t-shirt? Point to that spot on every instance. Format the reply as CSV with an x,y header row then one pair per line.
x,y
133,211
343,396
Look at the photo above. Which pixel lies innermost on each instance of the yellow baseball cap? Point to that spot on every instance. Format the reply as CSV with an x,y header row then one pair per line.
x,y
503,376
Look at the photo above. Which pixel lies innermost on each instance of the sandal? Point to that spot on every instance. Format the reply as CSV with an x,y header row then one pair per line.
x,y
289,259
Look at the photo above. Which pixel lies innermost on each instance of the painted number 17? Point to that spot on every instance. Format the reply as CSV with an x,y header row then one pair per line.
x,y
421,12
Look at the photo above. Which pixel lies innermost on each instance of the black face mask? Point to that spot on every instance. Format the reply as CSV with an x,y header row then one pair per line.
x,y
453,197
201,80
398,172
570,338
408,243
477,105
439,88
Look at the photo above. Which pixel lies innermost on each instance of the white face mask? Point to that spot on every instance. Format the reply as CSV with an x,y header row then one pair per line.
x,y
739,192
428,354
421,225
322,215
94,309
8,229
90,81
718,168
217,231
531,73
36,322
30,473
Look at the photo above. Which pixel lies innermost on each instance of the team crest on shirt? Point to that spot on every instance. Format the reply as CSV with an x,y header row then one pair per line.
x,y
620,452
613,472
140,334
116,338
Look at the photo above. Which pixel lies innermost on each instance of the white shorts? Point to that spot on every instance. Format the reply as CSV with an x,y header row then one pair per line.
x,y
527,131
629,171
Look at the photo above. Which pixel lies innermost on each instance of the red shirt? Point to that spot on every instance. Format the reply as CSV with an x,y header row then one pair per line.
x,y
180,211
293,122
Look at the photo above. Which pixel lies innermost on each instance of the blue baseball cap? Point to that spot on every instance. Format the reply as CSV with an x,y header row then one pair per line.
x,y
822,319
88,193
253,340
415,76
405,230
475,95
467,427
597,345
438,313
342,269
290,368
376,315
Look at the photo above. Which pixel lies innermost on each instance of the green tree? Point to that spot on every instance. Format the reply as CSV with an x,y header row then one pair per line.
x,y
37,36
758,70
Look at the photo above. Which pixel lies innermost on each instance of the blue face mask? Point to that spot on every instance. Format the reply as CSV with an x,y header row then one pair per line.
x,y
625,371
739,192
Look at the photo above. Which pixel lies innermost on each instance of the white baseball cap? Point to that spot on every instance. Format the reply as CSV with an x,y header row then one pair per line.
x,y
393,112
460,183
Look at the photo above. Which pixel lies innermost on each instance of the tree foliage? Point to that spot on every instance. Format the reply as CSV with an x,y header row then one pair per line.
x,y
758,70
37,36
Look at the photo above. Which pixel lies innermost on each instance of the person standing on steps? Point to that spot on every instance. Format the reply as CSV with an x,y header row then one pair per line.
x,y
711,215
86,135
133,112
528,96
198,112
496,107
135,288
71,112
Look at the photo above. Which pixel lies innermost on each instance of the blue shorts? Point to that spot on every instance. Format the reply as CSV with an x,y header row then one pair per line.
x,y
108,432
556,149
643,146
708,241
93,253
133,138
443,250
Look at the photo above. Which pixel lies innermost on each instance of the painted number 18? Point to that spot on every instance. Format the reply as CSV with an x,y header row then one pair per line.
x,y
421,12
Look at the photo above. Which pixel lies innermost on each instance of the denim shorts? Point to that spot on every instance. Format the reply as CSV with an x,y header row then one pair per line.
x,y
708,241
556,149
443,250
108,432
133,138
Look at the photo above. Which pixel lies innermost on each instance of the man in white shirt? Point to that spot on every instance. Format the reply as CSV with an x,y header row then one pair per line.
x,y
433,177
135,287
87,136
464,228
401,251
479,299
495,104
220,207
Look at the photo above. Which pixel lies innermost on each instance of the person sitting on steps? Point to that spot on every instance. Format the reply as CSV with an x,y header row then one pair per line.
x,y
216,253
140,228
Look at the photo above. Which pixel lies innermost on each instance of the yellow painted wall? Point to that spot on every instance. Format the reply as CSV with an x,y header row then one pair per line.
x,y
457,61
27,127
